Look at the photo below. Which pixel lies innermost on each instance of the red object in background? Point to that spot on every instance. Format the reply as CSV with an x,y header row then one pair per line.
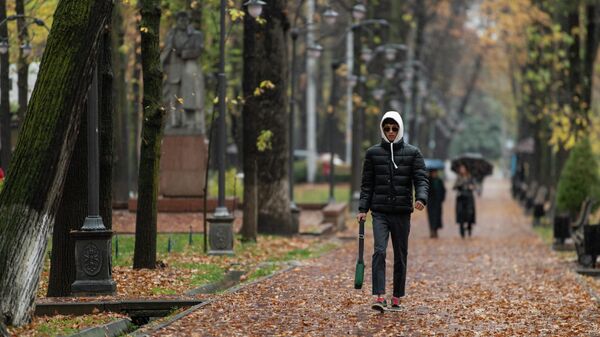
x,y
1,173
326,169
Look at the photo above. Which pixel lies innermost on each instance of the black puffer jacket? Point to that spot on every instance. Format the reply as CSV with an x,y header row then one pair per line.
x,y
388,189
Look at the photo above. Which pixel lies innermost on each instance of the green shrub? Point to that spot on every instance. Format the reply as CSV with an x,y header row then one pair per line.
x,y
578,178
232,184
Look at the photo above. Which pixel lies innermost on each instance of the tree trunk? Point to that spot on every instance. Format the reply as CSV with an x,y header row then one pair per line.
x,y
22,65
30,198
121,139
70,216
421,17
106,124
5,143
152,132
134,117
249,228
265,59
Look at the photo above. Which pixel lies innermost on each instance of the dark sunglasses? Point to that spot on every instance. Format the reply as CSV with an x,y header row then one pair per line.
x,y
388,129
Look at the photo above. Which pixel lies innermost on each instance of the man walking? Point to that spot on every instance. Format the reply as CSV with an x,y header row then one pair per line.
x,y
390,170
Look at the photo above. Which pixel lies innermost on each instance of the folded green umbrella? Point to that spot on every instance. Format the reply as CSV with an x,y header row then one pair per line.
x,y
359,275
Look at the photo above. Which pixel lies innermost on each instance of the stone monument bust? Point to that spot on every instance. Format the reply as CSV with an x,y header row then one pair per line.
x,y
183,89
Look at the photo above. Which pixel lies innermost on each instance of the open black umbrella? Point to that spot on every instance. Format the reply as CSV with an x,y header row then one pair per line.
x,y
477,166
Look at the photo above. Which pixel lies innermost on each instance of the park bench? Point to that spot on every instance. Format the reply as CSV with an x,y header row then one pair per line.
x,y
563,228
530,196
335,213
523,188
539,203
586,237
550,205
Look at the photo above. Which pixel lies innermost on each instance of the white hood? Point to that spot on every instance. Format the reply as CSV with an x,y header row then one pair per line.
x,y
395,116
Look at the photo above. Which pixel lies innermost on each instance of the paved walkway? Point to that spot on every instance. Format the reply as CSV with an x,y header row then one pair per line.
x,y
502,282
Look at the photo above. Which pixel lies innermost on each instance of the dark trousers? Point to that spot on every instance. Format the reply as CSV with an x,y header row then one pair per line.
x,y
398,225
465,227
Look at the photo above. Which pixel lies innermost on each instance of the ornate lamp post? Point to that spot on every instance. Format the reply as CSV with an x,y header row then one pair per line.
x,y
330,127
220,234
313,51
92,242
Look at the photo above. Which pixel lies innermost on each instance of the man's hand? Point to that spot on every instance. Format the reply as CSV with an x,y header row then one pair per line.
x,y
361,216
419,205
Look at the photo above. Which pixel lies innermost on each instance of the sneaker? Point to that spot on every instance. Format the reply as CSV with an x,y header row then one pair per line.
x,y
379,305
395,304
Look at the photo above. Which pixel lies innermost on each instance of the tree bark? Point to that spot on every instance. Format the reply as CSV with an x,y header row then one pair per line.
x,y
152,132
134,117
265,58
22,64
5,143
121,134
420,13
31,195
106,124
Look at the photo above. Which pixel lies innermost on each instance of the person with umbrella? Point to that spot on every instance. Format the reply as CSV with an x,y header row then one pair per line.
x,y
465,201
390,170
437,195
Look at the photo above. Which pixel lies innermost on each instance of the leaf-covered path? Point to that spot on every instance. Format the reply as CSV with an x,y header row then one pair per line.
x,y
502,282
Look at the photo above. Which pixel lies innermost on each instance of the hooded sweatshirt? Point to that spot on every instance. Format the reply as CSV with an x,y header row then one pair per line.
x,y
396,117
391,170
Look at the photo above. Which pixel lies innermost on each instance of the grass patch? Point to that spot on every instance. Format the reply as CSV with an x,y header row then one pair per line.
x,y
305,253
545,233
263,271
179,244
319,193
63,325
206,273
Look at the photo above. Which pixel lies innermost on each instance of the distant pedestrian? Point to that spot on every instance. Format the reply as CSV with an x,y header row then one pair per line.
x,y
390,171
465,201
437,195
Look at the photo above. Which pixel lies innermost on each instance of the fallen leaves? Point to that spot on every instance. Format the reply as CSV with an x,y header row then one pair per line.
x,y
502,282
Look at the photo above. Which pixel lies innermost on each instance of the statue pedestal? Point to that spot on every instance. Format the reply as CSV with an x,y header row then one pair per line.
x,y
182,164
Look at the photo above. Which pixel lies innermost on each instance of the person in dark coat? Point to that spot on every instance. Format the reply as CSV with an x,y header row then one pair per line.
x,y
437,194
390,171
465,201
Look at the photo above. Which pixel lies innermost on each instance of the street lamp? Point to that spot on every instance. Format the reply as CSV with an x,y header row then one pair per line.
x,y
3,47
93,240
366,54
378,93
314,51
330,16
255,7
26,48
391,50
330,127
389,73
359,11
220,234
